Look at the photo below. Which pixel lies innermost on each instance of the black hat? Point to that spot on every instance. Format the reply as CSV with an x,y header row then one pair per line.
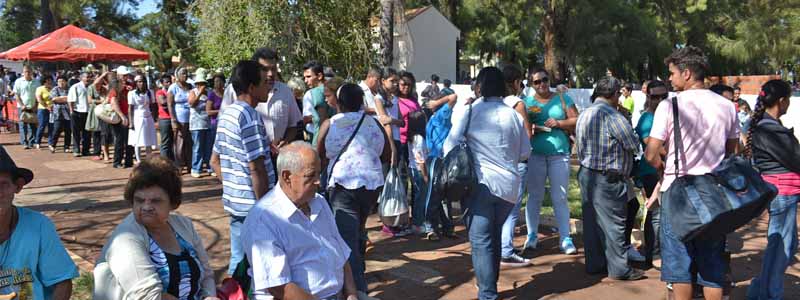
x,y
8,165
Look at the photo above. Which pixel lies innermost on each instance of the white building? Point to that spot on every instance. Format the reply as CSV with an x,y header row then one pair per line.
x,y
426,44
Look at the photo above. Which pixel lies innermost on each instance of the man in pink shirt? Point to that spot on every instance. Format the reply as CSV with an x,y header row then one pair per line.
x,y
710,132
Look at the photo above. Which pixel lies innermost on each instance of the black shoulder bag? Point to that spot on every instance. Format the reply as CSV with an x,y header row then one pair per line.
x,y
459,179
329,190
716,203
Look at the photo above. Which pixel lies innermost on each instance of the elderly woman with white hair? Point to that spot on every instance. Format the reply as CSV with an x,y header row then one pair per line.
x,y
142,127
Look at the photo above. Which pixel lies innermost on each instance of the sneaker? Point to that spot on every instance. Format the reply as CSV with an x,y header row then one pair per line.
x,y
196,175
26,147
634,255
403,232
515,261
530,244
387,231
636,274
37,147
432,236
568,247
52,149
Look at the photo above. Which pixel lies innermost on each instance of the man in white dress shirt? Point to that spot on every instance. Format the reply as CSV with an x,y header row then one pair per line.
x,y
370,86
280,113
291,239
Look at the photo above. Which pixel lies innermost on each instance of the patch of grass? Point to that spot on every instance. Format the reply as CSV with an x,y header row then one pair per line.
x,y
82,286
573,197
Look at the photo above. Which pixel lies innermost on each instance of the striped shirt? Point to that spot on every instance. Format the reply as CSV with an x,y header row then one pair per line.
x,y
241,138
605,139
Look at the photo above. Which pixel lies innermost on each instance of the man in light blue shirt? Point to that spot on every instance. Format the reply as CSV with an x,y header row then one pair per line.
x,y
33,262
291,238
25,91
241,156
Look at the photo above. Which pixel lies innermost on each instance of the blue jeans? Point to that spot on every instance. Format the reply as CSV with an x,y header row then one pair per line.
x,y
437,211
419,190
44,123
484,218
556,168
699,260
200,149
781,247
351,209
511,222
237,250
27,133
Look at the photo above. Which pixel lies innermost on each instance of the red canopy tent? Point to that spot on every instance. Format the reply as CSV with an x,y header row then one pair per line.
x,y
72,44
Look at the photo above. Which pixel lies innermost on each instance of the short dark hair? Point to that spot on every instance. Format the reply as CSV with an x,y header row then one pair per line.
x,y
720,88
654,84
692,58
350,97
218,75
164,77
408,77
435,77
416,123
245,74
389,72
46,79
447,83
512,73
607,87
315,67
628,86
158,172
375,71
61,77
736,87
265,53
533,71
491,82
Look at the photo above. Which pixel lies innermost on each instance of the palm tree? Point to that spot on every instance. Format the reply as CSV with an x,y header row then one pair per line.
x,y
387,31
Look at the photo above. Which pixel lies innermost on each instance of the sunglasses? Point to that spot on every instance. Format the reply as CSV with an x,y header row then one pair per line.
x,y
540,81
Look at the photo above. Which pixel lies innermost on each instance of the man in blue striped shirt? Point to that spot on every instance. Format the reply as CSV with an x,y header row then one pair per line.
x,y
241,155
606,144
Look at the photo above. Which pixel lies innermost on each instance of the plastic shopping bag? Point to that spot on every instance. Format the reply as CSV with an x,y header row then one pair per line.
x,y
392,207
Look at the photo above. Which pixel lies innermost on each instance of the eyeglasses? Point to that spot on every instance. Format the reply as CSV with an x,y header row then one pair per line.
x,y
540,81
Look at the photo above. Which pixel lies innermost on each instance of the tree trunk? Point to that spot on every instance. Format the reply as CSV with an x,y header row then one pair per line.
x,y
387,32
48,25
553,26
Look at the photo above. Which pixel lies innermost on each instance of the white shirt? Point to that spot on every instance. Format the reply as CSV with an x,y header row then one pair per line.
x,y
279,112
369,97
79,95
284,245
360,165
228,98
394,112
308,107
498,140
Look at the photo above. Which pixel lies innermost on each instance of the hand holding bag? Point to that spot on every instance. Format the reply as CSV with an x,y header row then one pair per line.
x,y
106,113
458,175
716,203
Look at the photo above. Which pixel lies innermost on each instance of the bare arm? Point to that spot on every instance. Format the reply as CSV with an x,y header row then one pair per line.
x,y
194,97
216,165
62,290
116,107
386,155
323,132
171,108
572,119
652,153
730,147
520,108
258,174
210,109
290,291
350,291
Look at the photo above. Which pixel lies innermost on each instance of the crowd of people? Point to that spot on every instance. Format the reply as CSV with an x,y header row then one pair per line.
x,y
303,164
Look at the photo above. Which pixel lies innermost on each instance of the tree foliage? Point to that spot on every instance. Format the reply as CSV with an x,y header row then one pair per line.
x,y
336,33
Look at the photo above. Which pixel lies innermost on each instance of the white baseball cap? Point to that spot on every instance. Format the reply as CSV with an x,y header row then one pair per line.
x,y
123,70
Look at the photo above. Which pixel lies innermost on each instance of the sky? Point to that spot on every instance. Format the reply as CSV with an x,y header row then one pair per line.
x,y
146,7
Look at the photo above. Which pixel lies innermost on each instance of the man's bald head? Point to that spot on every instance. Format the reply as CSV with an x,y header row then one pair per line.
x,y
298,171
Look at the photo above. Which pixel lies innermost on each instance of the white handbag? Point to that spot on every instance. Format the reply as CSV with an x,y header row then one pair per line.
x,y
105,113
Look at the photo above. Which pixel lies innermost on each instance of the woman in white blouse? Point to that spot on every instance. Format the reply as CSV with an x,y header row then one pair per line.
x,y
356,178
